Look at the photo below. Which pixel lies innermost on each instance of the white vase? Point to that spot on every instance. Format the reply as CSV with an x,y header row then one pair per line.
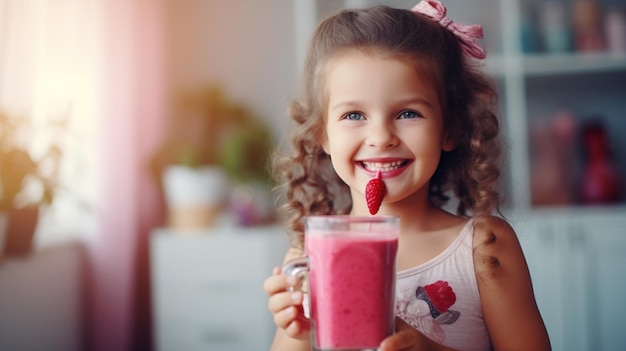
x,y
195,197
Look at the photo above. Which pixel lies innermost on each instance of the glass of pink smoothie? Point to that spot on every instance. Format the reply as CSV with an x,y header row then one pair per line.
x,y
351,267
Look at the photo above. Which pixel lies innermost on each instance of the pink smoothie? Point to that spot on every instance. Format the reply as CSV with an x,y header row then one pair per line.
x,y
351,284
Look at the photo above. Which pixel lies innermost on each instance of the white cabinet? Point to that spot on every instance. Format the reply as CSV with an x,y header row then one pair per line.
x,y
208,288
577,260
41,300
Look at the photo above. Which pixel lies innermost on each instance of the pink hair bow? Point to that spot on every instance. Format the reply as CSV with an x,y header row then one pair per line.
x,y
467,33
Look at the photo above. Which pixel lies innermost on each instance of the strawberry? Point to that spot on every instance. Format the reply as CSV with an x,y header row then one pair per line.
x,y
374,193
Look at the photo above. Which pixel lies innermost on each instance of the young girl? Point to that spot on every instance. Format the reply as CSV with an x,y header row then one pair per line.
x,y
397,91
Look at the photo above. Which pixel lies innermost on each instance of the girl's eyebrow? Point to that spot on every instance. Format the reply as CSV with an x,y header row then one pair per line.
x,y
354,103
417,101
345,104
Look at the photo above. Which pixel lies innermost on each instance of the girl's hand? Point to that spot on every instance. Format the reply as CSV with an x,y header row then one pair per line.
x,y
286,305
407,338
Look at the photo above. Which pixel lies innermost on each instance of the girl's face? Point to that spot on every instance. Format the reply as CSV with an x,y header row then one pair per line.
x,y
383,115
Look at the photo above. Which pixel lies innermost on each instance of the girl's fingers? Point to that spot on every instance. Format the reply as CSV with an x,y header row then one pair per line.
x,y
284,302
286,317
275,283
298,328
399,341
280,301
279,282
294,329
405,338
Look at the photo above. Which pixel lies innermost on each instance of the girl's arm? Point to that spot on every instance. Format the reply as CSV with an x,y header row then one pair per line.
x,y
292,328
510,310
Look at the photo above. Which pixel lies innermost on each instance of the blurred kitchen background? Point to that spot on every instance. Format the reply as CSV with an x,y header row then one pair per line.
x,y
135,206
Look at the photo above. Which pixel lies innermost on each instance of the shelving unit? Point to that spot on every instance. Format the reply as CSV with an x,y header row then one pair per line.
x,y
576,253
519,77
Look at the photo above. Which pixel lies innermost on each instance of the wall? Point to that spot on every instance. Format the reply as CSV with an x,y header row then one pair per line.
x,y
246,46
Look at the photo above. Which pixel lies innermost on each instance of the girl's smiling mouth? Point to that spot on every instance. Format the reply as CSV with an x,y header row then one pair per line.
x,y
388,168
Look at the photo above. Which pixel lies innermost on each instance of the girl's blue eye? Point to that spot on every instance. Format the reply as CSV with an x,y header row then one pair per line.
x,y
409,114
354,116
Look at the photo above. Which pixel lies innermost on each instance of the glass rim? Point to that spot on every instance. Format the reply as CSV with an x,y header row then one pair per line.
x,y
350,219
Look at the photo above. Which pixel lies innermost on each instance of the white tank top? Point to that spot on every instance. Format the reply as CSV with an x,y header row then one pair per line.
x,y
440,297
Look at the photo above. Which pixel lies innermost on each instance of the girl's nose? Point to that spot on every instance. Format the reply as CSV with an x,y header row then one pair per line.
x,y
381,136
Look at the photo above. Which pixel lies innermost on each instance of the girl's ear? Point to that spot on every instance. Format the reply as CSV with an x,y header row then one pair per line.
x,y
325,146
449,142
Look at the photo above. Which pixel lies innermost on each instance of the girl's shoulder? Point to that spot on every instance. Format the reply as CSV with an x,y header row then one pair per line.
x,y
505,286
492,228
495,246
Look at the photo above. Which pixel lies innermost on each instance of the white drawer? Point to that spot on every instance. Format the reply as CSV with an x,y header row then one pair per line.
x,y
196,303
178,258
208,290
214,337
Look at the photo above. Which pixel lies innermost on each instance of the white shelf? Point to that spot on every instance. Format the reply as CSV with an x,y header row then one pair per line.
x,y
498,65
580,212
574,63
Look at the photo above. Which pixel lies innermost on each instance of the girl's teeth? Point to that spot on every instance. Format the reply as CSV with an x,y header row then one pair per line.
x,y
382,167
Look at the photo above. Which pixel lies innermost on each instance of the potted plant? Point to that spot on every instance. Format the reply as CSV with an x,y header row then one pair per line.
x,y
244,155
211,144
26,183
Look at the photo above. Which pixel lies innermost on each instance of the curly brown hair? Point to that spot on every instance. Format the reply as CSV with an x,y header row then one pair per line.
x,y
308,181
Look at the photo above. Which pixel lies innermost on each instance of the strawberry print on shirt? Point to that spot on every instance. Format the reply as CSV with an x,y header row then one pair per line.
x,y
429,308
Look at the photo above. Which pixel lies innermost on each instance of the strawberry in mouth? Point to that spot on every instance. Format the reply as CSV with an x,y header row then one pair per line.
x,y
374,193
